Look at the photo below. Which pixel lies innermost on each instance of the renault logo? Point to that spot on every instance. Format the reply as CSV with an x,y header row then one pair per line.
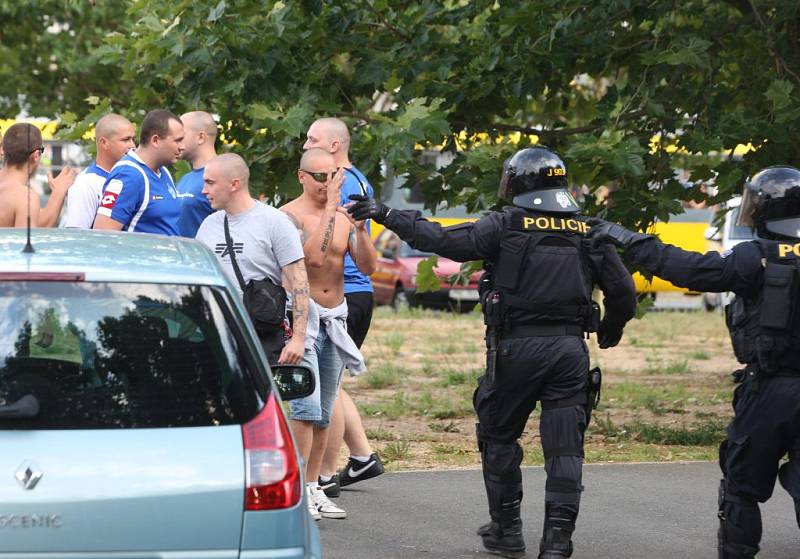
x,y
28,475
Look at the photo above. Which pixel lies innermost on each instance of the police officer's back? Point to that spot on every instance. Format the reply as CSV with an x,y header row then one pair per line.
x,y
536,296
764,323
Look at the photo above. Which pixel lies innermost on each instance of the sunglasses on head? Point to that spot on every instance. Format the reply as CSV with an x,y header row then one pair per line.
x,y
320,176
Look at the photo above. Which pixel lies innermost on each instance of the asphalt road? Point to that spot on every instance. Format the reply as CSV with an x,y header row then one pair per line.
x,y
631,511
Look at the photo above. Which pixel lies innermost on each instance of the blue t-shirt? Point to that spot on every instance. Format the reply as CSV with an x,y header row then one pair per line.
x,y
195,207
354,183
143,201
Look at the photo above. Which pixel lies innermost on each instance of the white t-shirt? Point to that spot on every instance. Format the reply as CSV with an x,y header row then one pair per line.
x,y
264,240
83,198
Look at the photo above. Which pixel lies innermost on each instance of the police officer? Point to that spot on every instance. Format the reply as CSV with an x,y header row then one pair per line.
x,y
764,323
536,297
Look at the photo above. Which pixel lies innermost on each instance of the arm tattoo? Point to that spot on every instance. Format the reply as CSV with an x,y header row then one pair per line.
x,y
326,240
298,279
299,226
352,241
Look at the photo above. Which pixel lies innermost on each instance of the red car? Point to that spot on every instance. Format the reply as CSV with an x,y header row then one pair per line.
x,y
394,280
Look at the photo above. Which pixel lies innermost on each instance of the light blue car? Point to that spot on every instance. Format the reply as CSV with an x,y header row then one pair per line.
x,y
138,419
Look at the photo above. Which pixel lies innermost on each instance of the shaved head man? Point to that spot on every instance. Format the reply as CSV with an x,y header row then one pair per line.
x,y
265,243
23,149
114,136
331,135
201,133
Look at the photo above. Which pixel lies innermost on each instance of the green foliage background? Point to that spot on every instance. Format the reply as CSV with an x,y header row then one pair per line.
x,y
594,80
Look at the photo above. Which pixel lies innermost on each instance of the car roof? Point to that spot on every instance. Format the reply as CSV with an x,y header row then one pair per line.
x,y
110,256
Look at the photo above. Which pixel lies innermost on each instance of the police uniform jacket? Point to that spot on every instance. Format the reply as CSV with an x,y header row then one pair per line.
x,y
742,271
488,238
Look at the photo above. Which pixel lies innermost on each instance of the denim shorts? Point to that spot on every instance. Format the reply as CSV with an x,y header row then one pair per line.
x,y
327,366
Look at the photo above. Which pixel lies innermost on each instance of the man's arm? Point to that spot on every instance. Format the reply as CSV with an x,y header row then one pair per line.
x,y
104,222
467,241
709,272
619,294
360,245
295,280
58,192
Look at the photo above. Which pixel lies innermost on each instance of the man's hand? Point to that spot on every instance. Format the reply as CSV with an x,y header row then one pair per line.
x,y
343,210
63,181
367,208
606,231
292,353
335,187
608,335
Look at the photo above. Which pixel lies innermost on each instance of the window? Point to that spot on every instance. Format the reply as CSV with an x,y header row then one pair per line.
x,y
121,355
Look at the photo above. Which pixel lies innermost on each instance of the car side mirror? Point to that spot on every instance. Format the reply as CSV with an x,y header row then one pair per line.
x,y
294,381
712,234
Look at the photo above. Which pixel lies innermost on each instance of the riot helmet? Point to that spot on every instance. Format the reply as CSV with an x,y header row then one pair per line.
x,y
536,179
771,203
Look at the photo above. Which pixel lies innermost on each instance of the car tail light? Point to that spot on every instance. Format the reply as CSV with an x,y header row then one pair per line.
x,y
272,474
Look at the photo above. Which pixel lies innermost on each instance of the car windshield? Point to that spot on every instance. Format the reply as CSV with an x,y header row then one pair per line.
x,y
120,355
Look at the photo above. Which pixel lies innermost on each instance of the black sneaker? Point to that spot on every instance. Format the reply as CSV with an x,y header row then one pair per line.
x,y
359,471
331,488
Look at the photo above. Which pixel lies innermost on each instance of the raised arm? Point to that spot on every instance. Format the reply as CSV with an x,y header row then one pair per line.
x,y
58,193
295,280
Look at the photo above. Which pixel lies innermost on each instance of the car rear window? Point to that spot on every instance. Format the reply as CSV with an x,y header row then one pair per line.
x,y
121,355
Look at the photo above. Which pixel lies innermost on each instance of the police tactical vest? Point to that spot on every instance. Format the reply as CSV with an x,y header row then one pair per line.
x,y
765,326
542,270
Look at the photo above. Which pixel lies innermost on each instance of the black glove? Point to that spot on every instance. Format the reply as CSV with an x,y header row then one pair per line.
x,y
608,335
367,208
603,231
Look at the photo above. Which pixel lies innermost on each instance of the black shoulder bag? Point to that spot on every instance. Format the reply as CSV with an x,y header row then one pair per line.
x,y
264,300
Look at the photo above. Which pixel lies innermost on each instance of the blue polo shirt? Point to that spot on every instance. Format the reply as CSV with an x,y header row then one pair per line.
x,y
140,199
354,183
195,207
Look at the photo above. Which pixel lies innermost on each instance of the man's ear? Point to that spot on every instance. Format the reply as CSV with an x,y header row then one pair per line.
x,y
335,145
201,137
236,184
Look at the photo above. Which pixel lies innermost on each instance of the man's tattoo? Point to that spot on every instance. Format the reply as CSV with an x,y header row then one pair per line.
x,y
299,226
352,241
326,240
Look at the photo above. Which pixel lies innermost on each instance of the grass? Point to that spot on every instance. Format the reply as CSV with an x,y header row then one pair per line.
x,y
394,341
383,376
666,393
395,451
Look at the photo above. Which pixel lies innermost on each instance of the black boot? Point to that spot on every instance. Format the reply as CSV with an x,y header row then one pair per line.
x,y
556,542
503,538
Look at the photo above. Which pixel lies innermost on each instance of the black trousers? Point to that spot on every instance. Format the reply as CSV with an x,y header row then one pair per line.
x,y
765,427
359,315
553,370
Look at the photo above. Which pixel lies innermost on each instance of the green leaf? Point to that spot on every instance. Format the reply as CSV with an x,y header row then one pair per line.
x,y
427,280
217,11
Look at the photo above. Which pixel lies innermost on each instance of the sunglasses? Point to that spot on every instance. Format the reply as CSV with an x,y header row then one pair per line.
x,y
320,176
40,149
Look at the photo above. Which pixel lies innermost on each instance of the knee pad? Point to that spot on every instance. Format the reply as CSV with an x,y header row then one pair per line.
x,y
739,525
562,429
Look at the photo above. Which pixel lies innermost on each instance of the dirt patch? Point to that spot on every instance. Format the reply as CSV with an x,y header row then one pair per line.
x,y
666,392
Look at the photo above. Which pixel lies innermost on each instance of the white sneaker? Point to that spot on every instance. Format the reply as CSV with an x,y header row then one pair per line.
x,y
325,507
312,507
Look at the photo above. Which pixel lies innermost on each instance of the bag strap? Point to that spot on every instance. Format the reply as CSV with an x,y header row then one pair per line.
x,y
361,184
232,254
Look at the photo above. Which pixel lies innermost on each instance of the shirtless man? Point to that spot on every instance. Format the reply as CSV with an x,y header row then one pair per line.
x,y
23,148
327,233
